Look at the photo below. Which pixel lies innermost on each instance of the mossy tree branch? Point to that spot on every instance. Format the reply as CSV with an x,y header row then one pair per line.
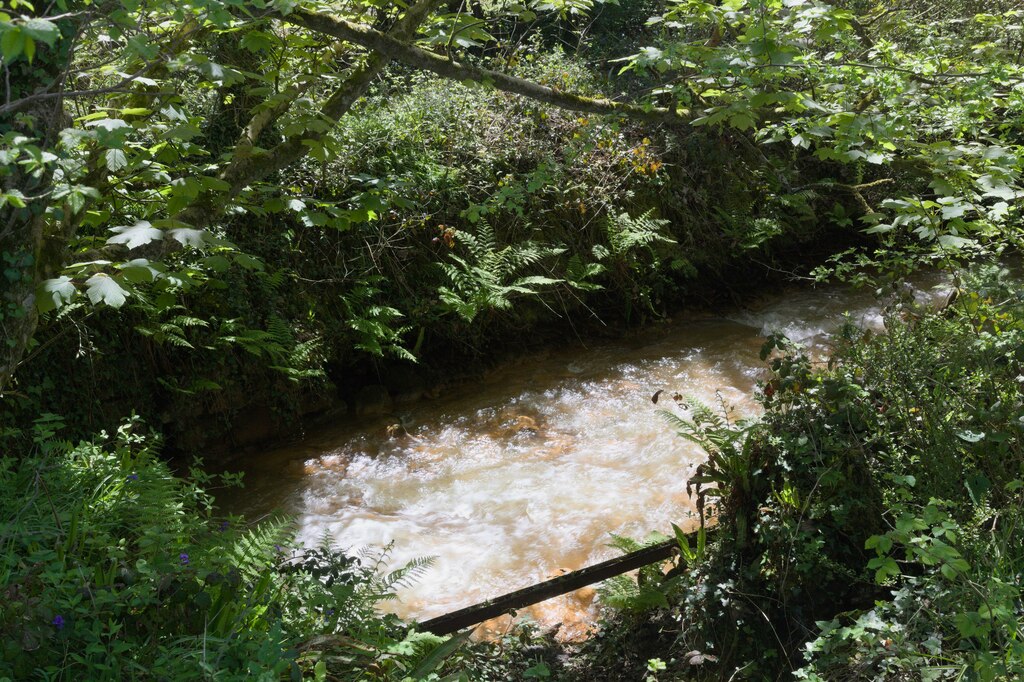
x,y
393,47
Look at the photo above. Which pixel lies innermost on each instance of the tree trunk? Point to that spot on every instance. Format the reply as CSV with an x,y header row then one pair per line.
x,y
29,253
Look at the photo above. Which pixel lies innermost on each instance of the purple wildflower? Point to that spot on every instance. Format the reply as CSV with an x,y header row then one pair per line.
x,y
132,477
279,548
184,559
58,622
224,525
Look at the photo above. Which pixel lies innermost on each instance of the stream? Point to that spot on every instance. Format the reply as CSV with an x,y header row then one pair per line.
x,y
525,474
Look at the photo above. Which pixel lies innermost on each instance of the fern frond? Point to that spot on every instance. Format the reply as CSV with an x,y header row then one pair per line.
x,y
626,233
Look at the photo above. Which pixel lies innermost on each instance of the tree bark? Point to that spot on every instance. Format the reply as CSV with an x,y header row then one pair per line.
x,y
28,254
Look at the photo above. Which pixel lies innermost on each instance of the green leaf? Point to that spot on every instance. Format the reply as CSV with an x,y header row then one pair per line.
x,y
248,262
42,30
188,236
214,184
540,670
682,540
139,234
140,270
110,132
436,657
101,287
54,293
116,160
217,263
14,197
258,41
970,436
953,242
886,567
12,43
995,187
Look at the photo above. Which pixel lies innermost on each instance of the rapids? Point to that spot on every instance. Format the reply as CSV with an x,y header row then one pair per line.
x,y
524,474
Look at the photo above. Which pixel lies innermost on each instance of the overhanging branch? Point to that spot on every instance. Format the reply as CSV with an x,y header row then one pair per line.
x,y
416,57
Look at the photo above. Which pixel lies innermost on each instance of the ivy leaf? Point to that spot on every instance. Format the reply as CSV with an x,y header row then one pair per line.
x,y
54,293
101,287
139,234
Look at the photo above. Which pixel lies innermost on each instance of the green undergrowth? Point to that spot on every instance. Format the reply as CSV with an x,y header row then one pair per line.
x,y
113,568
868,524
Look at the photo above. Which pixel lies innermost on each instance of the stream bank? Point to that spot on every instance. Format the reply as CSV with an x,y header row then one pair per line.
x,y
530,471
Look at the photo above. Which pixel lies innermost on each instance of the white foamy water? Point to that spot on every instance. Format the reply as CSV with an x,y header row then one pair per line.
x,y
526,474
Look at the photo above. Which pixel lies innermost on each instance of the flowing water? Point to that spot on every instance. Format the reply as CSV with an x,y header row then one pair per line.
x,y
526,474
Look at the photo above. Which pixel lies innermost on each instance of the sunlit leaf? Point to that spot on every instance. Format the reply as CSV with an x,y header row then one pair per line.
x,y
53,293
139,234
102,288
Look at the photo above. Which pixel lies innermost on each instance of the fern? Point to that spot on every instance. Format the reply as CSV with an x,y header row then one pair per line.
x,y
375,325
578,274
171,330
403,576
730,464
492,275
649,589
626,234
251,549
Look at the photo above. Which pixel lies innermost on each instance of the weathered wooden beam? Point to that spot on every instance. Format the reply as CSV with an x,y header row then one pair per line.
x,y
471,615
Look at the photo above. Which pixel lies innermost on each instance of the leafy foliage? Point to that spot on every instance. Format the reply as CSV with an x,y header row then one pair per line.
x,y
113,568
867,524
492,275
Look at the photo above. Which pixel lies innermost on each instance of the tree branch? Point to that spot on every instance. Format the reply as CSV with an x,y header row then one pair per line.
x,y
250,165
394,48
247,168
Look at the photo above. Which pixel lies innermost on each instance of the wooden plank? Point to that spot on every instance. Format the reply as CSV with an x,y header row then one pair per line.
x,y
471,615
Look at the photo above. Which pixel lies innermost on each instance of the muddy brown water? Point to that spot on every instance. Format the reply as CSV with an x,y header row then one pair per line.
x,y
525,474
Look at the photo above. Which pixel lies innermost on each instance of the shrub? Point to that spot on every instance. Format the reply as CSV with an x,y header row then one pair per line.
x,y
869,522
112,568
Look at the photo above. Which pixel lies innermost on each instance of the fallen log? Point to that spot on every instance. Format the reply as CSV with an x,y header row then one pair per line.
x,y
491,608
